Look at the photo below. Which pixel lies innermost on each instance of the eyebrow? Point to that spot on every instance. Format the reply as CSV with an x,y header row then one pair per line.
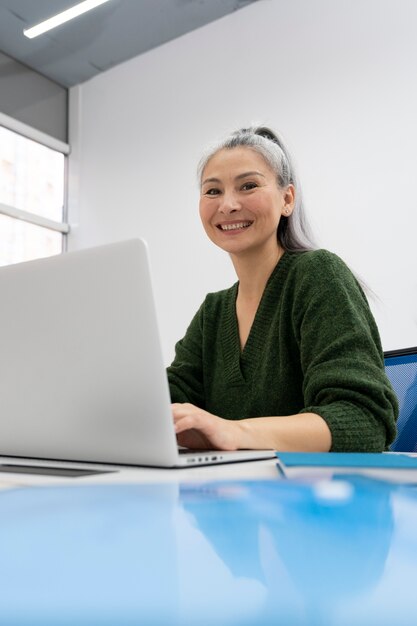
x,y
238,177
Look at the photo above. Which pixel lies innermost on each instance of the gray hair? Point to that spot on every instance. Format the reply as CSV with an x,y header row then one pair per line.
x,y
293,232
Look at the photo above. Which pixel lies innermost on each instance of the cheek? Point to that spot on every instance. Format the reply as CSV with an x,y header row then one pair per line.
x,y
260,206
271,206
204,210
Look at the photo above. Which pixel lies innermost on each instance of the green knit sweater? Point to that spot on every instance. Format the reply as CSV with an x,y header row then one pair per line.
x,y
313,347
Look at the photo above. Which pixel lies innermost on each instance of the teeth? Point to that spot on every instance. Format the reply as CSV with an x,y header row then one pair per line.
x,y
235,226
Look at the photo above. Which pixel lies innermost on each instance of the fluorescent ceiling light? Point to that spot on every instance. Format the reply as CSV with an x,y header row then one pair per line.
x,y
63,17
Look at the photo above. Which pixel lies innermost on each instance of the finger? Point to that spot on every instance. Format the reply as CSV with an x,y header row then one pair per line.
x,y
180,414
182,409
184,423
182,405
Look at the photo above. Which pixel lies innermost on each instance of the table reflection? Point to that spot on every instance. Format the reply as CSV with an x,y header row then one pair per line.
x,y
314,548
339,552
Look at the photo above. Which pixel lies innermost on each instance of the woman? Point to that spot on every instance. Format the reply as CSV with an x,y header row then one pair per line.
x,y
289,357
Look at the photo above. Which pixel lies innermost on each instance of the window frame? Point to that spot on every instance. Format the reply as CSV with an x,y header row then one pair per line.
x,y
55,144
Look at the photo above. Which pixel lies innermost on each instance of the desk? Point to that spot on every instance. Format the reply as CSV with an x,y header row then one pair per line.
x,y
231,545
251,470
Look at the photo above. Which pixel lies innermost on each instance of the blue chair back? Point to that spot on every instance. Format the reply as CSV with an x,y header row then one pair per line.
x,y
401,369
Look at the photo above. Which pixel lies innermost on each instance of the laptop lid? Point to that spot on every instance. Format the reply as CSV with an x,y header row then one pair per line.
x,y
81,367
81,375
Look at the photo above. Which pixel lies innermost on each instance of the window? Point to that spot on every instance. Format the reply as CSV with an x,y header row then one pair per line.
x,y
32,198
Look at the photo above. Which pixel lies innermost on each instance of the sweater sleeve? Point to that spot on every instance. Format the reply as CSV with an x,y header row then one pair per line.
x,y
341,357
185,374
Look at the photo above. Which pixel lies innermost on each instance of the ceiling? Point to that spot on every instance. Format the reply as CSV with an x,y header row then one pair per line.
x,y
96,41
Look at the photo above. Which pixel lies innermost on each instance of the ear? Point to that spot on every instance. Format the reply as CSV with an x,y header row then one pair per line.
x,y
289,200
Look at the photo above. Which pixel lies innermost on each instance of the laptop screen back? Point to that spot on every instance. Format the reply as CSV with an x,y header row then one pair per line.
x,y
81,367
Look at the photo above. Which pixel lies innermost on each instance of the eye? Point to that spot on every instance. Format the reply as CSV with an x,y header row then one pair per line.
x,y
212,191
248,186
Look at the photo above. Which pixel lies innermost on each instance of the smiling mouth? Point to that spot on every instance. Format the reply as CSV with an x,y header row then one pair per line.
x,y
236,226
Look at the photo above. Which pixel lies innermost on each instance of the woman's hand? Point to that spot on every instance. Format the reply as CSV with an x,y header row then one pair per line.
x,y
200,430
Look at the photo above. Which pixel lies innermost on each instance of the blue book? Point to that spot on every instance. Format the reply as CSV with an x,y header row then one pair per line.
x,y
398,467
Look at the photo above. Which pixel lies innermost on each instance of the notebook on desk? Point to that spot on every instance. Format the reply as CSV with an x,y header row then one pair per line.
x,y
82,377
392,466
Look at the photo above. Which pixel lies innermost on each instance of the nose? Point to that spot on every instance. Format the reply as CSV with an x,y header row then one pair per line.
x,y
230,203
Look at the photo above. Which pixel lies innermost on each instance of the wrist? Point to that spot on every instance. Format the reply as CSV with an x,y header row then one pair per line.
x,y
246,439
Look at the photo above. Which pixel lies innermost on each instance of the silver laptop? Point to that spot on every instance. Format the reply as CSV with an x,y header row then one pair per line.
x,y
81,369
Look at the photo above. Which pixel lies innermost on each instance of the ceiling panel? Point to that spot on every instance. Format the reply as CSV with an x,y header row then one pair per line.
x,y
96,41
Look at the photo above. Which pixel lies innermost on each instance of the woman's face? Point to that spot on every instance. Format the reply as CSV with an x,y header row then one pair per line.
x,y
241,203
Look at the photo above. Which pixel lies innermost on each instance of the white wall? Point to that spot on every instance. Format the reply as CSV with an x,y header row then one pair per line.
x,y
335,77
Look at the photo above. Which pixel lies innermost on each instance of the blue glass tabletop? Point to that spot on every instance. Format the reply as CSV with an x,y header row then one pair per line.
x,y
340,552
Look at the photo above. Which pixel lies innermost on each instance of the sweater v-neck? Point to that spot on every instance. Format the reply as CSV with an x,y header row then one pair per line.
x,y
240,365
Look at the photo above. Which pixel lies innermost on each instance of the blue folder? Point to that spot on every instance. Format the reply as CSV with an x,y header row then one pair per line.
x,y
387,460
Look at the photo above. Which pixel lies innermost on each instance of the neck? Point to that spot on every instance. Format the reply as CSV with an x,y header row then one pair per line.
x,y
253,272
